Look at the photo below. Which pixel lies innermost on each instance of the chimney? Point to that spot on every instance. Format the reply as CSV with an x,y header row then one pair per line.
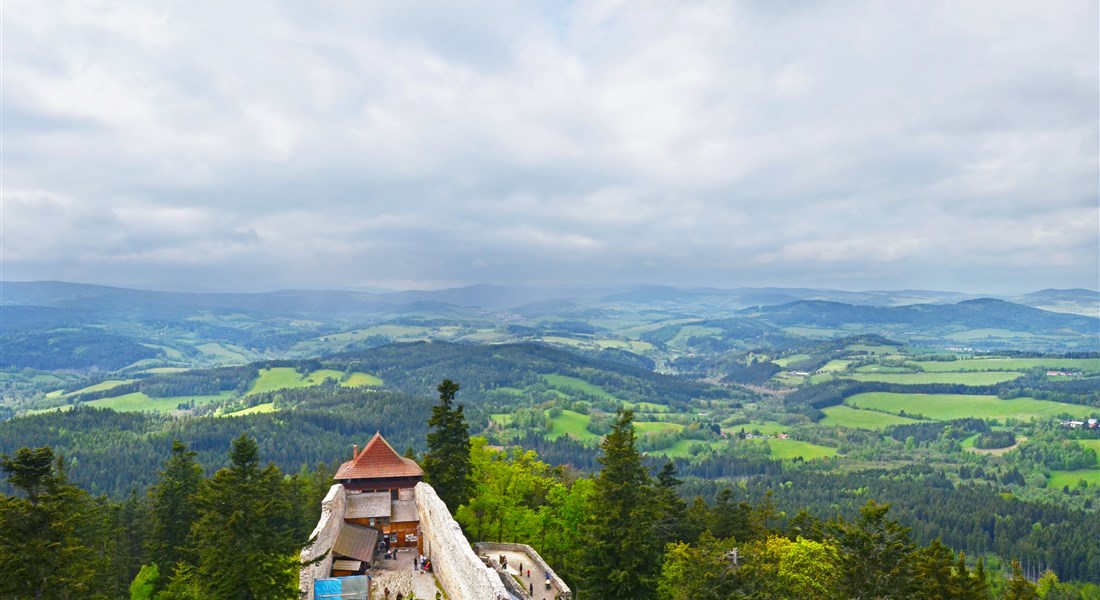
x,y
354,451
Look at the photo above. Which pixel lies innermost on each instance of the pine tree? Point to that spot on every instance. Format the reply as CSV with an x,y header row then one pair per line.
x,y
1019,588
671,524
54,540
174,510
620,553
245,536
447,465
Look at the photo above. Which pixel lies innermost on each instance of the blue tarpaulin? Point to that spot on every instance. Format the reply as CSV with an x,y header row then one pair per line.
x,y
353,588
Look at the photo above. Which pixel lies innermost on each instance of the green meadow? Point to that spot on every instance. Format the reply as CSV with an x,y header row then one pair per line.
x,y
1010,364
139,402
1060,479
573,424
792,449
846,416
963,378
566,382
266,407
944,407
280,378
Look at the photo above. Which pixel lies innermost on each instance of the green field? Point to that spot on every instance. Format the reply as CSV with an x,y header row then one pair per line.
x,y
836,365
765,428
103,385
792,449
360,379
1060,479
564,381
223,353
139,402
786,360
1010,364
280,378
644,427
847,416
646,407
252,410
944,407
973,378
872,349
572,424
682,448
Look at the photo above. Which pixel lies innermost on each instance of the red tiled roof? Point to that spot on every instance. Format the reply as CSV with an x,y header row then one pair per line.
x,y
378,461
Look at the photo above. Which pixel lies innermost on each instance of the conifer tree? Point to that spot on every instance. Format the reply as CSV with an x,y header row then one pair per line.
x,y
672,510
447,465
54,540
245,536
174,509
620,553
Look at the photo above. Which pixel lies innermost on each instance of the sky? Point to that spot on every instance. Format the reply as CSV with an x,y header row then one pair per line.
x,y
264,145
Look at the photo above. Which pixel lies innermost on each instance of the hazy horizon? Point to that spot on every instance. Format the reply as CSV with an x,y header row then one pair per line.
x,y
264,146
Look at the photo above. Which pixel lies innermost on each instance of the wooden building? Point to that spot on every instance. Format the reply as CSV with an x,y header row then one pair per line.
x,y
380,491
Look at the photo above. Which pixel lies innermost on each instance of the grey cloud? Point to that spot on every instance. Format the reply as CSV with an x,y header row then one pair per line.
x,y
258,145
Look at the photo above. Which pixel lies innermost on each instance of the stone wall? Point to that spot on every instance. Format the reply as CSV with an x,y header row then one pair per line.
x,y
457,569
333,508
492,548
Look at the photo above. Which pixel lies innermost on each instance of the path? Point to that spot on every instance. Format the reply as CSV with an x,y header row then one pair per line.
x,y
399,576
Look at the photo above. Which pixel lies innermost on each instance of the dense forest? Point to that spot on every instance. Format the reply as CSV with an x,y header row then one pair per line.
x,y
626,531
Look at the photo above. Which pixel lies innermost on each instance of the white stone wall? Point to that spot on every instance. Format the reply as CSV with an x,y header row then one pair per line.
x,y
456,567
333,508
538,564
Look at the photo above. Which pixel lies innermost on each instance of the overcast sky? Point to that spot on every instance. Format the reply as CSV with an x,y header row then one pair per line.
x,y
266,145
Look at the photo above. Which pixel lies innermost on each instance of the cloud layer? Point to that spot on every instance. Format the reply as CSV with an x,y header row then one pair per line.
x,y
265,145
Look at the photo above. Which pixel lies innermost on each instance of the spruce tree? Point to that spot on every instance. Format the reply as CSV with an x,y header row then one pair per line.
x,y
55,539
447,465
245,536
174,509
620,554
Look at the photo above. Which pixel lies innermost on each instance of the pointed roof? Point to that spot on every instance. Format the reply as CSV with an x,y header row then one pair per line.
x,y
378,461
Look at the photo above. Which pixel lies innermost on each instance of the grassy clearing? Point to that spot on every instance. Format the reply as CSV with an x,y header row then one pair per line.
x,y
787,360
871,349
276,379
792,449
280,378
644,427
267,407
1060,479
646,407
1011,364
683,448
836,365
972,378
944,407
99,387
139,402
986,333
163,370
968,445
564,381
572,424
358,379
222,353
765,428
846,416
502,419
814,332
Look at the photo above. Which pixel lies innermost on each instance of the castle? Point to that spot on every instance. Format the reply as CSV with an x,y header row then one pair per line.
x,y
380,503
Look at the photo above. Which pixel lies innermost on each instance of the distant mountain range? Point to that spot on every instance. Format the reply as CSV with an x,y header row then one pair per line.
x,y
57,326
491,297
